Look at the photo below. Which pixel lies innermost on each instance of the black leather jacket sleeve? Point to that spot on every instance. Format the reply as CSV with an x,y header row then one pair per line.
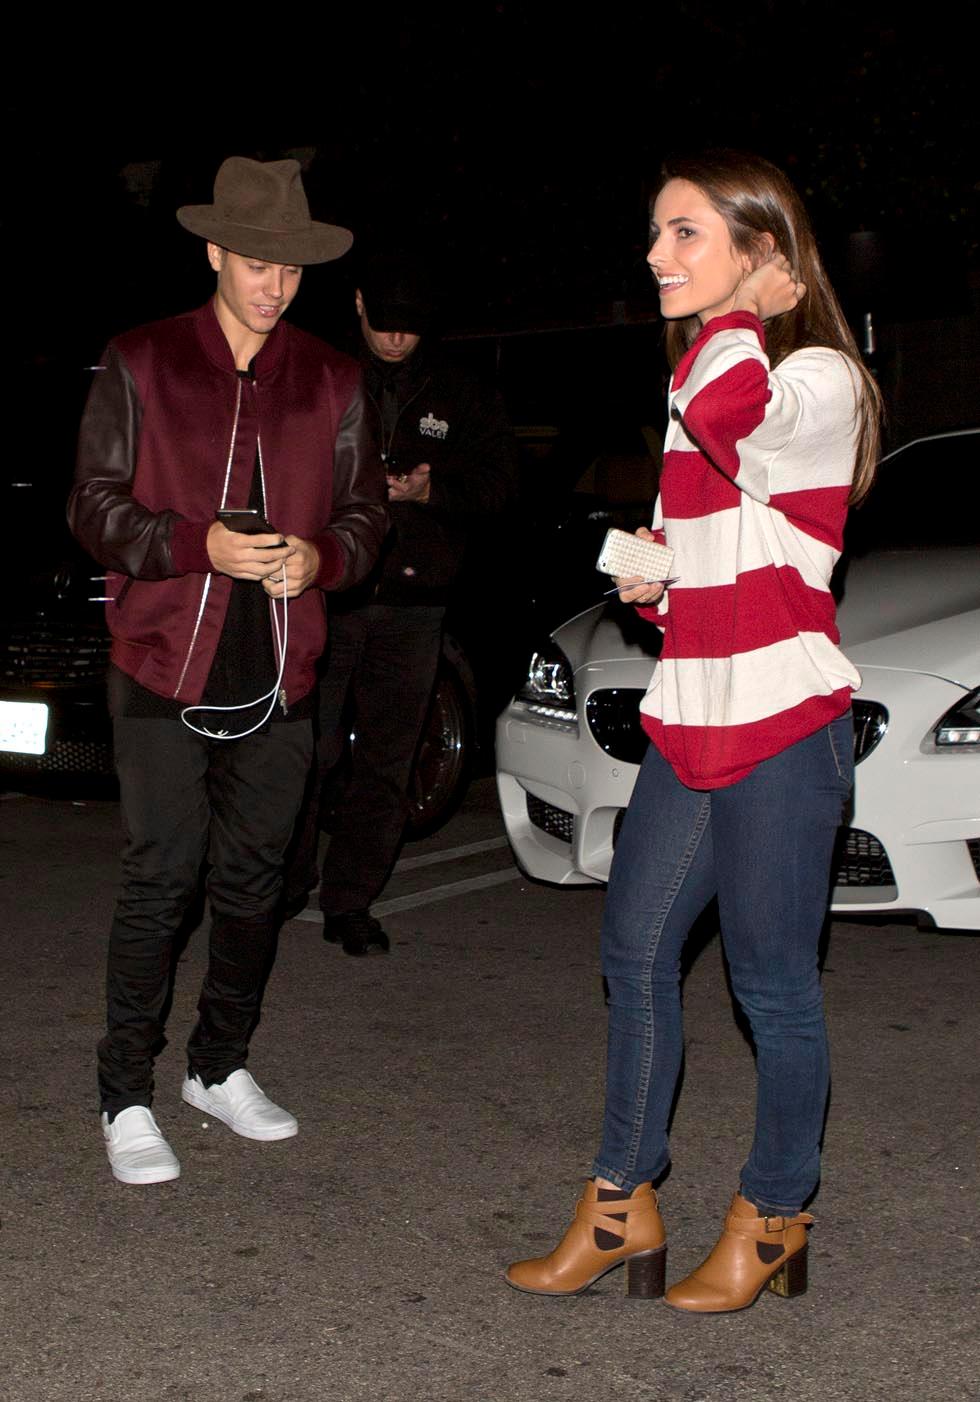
x,y
116,530
359,514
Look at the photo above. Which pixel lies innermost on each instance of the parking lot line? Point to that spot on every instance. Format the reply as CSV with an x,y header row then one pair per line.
x,y
449,854
443,893
427,897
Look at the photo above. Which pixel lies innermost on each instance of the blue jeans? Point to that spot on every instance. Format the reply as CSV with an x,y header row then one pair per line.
x,y
764,847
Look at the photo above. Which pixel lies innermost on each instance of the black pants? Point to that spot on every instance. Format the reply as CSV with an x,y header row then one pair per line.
x,y
184,800
380,669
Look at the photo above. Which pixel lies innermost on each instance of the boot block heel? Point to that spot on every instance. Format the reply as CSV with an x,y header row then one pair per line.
x,y
752,1254
790,1279
646,1275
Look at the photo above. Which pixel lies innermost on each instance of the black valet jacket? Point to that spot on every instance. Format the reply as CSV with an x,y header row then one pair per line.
x,y
449,420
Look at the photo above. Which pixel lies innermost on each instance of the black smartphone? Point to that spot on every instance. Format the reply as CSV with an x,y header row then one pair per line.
x,y
247,521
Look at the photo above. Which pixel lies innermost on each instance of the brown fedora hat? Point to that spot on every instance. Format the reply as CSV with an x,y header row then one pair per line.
x,y
260,211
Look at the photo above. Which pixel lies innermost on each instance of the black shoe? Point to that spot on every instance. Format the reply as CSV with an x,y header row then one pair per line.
x,y
296,895
357,931
293,905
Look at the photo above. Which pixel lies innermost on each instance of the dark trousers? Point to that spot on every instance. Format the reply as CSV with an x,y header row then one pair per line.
x,y
184,800
380,669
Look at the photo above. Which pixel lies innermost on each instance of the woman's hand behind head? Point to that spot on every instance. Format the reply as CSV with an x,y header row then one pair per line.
x,y
770,290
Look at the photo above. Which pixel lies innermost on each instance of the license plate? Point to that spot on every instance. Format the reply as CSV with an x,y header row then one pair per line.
x,y
23,726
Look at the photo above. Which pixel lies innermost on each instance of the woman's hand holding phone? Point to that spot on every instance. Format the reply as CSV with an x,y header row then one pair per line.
x,y
634,589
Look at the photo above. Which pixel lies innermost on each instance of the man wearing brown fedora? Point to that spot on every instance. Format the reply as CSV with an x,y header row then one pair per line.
x,y
226,479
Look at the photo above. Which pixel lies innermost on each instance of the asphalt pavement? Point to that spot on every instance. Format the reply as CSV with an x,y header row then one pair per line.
x,y
449,1098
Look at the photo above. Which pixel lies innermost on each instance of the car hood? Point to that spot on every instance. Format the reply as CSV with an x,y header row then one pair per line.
x,y
607,633
892,591
948,648
914,610
904,609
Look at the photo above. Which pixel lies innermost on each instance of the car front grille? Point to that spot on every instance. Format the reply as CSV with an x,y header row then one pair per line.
x,y
62,757
862,861
614,720
613,715
554,821
973,847
870,724
48,652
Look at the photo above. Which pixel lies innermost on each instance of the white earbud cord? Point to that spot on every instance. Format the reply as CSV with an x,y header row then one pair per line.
x,y
270,696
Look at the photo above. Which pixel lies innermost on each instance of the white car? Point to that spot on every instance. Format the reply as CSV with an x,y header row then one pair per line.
x,y
570,743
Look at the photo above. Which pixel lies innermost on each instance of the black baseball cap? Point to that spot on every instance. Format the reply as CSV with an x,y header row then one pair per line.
x,y
398,294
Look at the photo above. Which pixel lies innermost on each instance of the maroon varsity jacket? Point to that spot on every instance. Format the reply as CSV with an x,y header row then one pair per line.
x,y
169,435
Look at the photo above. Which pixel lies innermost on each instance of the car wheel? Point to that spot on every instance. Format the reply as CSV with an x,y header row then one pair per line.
x,y
444,761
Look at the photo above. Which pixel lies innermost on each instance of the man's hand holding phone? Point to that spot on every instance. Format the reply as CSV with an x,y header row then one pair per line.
x,y
410,486
243,545
300,568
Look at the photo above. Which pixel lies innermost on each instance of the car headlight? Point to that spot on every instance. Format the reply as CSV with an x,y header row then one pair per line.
x,y
961,723
549,688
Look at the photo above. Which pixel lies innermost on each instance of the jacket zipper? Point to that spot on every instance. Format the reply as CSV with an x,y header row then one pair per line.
x,y
398,417
207,578
391,436
272,603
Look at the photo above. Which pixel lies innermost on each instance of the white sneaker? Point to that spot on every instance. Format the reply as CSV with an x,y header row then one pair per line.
x,y
239,1103
138,1152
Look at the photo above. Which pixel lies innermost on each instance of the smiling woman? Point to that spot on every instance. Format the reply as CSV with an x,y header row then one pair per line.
x,y
692,256
773,427
742,214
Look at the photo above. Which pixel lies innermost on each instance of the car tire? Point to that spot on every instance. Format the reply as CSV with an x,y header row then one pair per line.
x,y
445,759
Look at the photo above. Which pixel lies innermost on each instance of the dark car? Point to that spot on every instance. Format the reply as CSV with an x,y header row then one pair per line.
x,y
53,656
55,730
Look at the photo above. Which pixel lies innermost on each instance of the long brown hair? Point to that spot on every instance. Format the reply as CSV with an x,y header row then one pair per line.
x,y
755,198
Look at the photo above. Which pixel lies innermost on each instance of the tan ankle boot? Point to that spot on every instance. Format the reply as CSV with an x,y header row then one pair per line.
x,y
603,1236
751,1253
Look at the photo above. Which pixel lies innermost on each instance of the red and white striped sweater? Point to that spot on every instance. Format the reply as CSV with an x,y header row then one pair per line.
x,y
753,498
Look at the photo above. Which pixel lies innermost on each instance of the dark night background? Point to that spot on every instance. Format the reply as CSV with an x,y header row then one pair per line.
x,y
514,143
